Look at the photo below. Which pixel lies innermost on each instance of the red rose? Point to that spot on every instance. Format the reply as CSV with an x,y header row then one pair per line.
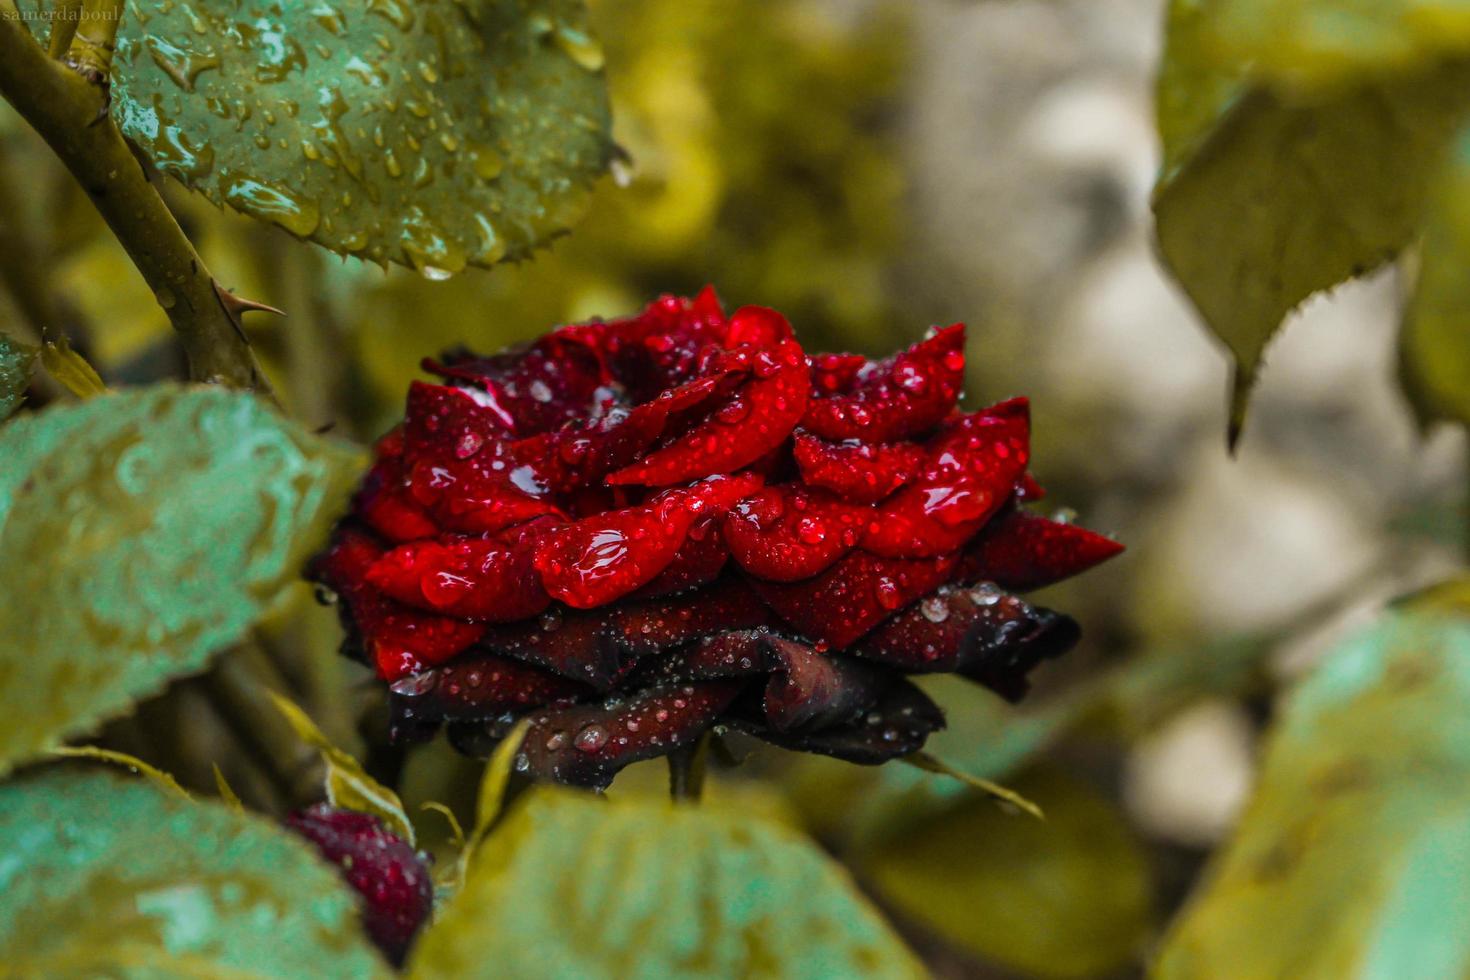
x,y
636,530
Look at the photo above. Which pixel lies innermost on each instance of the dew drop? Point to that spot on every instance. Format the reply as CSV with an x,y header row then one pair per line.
x,y
591,738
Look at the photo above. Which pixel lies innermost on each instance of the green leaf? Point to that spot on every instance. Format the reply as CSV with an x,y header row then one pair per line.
x,y
349,787
16,362
109,876
1435,345
1270,194
435,133
139,533
1353,857
1067,897
575,886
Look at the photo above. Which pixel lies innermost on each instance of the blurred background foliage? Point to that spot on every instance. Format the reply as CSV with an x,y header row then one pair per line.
x,y
870,168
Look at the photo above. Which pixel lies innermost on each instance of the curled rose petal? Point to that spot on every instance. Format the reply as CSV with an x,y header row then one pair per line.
x,y
1021,551
476,688
757,325
787,533
896,726
587,745
699,561
385,504
660,348
482,578
853,596
893,399
756,419
809,690
982,632
972,469
858,472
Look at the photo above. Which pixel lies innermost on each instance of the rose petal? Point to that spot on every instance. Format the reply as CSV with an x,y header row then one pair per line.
x,y
892,399
442,421
858,472
386,505
982,632
787,533
476,688
758,325
853,596
660,348
896,726
972,469
587,745
483,578
756,419
1021,551
699,561
811,691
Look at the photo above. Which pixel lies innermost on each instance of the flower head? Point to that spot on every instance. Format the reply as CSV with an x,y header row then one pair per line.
x,y
636,530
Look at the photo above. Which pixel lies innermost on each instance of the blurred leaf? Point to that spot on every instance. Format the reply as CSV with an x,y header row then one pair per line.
x,y
1320,43
153,774
1067,897
1270,194
349,787
490,799
427,132
1353,857
107,876
16,362
1435,346
571,885
139,533
71,369
1450,597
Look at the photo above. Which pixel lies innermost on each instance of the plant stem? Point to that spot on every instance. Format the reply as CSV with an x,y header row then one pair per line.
x,y
69,113
686,769
90,50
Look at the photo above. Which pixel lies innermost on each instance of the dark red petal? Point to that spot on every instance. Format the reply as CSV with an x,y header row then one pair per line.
x,y
481,578
660,348
444,422
787,533
391,879
758,325
853,596
756,419
986,634
892,399
809,690
896,726
578,645
699,561
395,639
540,386
587,745
971,470
648,627
1027,489
386,505
1021,551
480,495
477,687
856,471
833,373
598,559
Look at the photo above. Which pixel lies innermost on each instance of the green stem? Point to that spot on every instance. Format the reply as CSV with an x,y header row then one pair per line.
x,y
89,53
69,113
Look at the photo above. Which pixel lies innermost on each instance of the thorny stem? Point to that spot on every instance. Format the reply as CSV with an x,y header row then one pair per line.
x,y
686,770
64,108
89,53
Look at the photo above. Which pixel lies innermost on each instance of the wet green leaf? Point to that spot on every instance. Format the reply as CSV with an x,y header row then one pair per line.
x,y
1353,857
349,787
16,363
435,133
158,777
1271,193
140,532
1435,345
110,876
1065,897
575,886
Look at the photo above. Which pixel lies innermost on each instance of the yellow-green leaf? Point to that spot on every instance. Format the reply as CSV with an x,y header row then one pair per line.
x,y
140,532
157,776
1066,897
349,787
574,886
16,362
435,133
1435,346
109,876
71,369
1270,194
1353,857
